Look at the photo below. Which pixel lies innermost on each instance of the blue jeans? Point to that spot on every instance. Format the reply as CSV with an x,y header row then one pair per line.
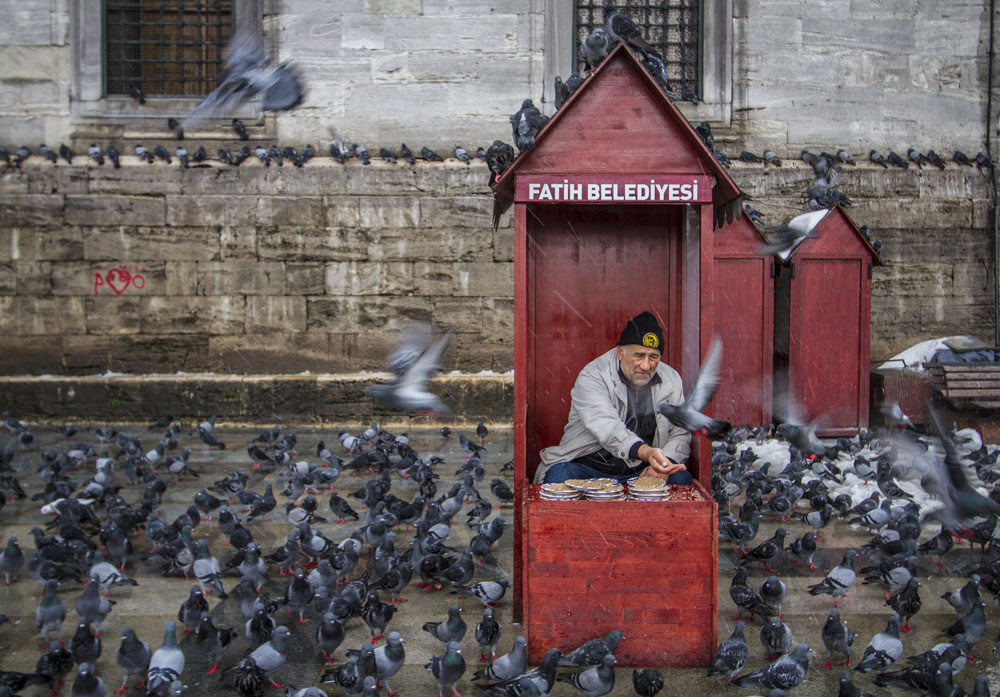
x,y
561,471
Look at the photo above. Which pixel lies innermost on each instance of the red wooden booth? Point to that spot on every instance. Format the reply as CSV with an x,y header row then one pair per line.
x,y
823,325
614,213
743,280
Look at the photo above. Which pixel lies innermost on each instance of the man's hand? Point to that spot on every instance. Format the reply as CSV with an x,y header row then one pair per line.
x,y
660,465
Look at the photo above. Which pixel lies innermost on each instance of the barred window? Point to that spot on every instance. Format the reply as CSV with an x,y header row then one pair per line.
x,y
170,49
673,27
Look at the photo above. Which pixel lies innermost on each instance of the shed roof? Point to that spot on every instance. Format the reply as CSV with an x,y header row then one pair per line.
x,y
620,121
837,235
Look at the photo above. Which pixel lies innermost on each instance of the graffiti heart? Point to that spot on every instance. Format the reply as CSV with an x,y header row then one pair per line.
x,y
119,279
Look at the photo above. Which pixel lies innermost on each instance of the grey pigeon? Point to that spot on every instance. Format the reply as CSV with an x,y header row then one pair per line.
x,y
621,29
776,637
451,629
206,568
731,654
746,598
595,47
689,414
884,649
11,561
508,666
298,595
772,592
526,123
192,609
849,689
166,663
87,684
488,634
837,636
488,592
592,652
329,635
389,659
132,656
85,645
543,677
965,597
107,574
271,655
50,613
250,74
259,628
214,640
785,673
594,681
448,669
351,675
972,625
839,580
91,606
413,362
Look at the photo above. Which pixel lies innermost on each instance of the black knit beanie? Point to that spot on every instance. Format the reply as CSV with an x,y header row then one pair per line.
x,y
642,330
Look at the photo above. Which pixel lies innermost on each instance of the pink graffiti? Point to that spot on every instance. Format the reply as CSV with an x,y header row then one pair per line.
x,y
119,279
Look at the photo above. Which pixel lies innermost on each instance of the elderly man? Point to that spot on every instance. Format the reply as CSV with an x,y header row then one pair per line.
x,y
614,429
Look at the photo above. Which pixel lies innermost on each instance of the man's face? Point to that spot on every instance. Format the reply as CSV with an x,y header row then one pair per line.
x,y
638,363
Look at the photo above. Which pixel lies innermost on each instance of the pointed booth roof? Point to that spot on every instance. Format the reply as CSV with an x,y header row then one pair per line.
x,y
837,235
619,121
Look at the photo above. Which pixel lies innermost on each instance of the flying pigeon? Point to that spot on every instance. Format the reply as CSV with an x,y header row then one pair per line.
x,y
689,414
413,363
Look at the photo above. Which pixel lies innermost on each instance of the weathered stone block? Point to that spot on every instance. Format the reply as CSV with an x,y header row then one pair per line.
x,y
503,244
84,354
34,277
113,314
8,279
115,210
284,313
434,244
216,314
359,314
43,316
495,280
41,244
458,313
238,243
139,180
299,211
13,181
388,211
241,278
30,355
456,212
57,180
342,212
145,353
109,279
433,279
305,279
312,244
124,244
32,210
181,278
369,278
911,213
205,211
270,354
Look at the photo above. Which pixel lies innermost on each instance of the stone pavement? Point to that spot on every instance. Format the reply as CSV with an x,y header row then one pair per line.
x,y
157,599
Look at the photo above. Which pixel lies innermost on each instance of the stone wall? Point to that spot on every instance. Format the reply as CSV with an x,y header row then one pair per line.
x,y
252,271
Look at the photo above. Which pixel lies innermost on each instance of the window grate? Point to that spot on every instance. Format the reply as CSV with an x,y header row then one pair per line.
x,y
167,48
671,26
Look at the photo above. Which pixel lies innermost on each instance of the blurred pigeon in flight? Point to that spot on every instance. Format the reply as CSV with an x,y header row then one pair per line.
x,y
785,238
413,363
250,74
689,415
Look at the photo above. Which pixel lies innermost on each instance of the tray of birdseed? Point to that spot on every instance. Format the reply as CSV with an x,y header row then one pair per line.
x,y
608,492
558,492
590,484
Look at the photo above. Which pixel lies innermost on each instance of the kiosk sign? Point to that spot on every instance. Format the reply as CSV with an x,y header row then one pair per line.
x,y
627,188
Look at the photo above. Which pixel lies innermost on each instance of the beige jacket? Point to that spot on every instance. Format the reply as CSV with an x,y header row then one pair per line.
x,y
597,416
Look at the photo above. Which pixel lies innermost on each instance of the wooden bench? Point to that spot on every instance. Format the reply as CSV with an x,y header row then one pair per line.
x,y
973,386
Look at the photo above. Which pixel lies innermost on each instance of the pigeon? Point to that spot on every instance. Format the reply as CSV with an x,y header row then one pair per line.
x,y
916,157
161,152
406,154
731,654
876,158
86,683
249,74
746,598
377,614
785,238
595,47
50,613
329,635
240,129
271,655
526,123
488,592
132,657
413,363
388,155
214,640
362,153
839,580
837,636
94,151
972,625
182,155
85,645
91,606
845,157
647,682
689,414
508,666
48,153
488,634
543,677
166,663
934,159
772,592
451,629
962,159
594,681
592,652
430,155
621,29
766,551
776,637
884,649
351,675
785,673
192,609
897,161
849,689
11,561
54,664
463,154
894,415
389,659
963,599
448,669
771,158
298,594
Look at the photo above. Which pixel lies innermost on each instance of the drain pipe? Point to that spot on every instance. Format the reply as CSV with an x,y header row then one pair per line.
x,y
993,180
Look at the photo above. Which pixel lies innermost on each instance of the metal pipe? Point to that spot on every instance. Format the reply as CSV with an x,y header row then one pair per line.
x,y
993,180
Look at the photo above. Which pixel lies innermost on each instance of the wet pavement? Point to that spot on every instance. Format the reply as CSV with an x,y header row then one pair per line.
x,y
157,599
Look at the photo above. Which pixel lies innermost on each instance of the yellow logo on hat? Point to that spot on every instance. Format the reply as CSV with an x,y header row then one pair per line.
x,y
649,340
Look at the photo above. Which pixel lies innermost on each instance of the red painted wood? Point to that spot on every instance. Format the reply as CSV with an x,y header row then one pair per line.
x,y
744,321
646,568
589,271
521,379
829,325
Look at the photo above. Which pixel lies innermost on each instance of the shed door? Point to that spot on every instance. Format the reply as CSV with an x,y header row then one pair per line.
x,y
590,269
825,341
744,302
